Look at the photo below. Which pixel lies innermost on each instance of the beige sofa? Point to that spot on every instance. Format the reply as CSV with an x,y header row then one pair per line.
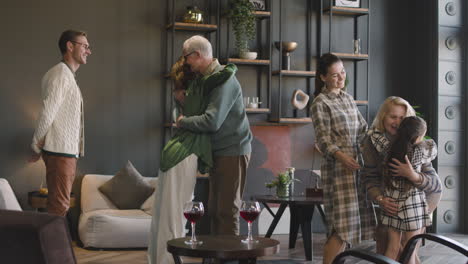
x,y
103,225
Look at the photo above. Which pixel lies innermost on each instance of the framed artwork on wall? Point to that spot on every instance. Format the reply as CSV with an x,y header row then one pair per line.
x,y
347,3
258,4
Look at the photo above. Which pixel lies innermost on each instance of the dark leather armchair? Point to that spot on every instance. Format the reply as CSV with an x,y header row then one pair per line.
x,y
34,238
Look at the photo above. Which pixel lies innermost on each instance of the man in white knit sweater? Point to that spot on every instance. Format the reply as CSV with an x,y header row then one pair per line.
x,y
59,136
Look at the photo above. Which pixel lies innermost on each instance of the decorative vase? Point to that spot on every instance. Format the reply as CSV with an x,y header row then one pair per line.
x,y
193,15
282,191
248,55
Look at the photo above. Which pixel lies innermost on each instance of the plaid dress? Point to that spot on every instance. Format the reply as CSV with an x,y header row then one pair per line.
x,y
339,126
413,211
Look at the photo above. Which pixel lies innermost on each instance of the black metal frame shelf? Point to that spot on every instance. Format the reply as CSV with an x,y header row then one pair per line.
x,y
264,60
355,13
308,73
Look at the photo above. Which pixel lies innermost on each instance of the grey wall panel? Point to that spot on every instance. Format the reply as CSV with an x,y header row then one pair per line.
x,y
451,114
450,148
450,13
448,217
450,78
451,184
449,44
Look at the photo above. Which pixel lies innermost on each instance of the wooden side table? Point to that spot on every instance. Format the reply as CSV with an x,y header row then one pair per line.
x,y
39,201
223,248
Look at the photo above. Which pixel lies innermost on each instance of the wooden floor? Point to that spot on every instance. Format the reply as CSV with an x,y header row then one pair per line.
x,y
429,254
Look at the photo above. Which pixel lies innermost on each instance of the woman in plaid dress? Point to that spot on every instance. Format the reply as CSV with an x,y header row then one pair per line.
x,y
339,127
375,147
409,147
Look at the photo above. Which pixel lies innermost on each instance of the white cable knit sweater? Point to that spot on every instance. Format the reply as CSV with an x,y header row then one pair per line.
x,y
61,122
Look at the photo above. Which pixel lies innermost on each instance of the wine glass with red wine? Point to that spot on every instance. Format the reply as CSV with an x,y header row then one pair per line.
x,y
250,211
193,211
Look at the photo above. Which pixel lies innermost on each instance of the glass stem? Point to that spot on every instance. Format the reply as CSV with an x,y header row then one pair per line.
x,y
193,232
249,236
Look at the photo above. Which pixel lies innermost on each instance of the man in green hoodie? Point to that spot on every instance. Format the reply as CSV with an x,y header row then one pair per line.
x,y
225,120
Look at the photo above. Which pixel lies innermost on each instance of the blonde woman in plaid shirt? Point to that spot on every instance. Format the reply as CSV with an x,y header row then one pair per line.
x,y
375,147
339,128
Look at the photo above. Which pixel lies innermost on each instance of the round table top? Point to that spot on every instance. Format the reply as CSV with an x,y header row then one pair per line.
x,y
297,200
224,247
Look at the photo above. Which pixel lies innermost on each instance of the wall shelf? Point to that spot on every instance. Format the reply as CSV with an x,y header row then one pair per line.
x,y
193,27
262,14
352,56
295,73
293,120
257,110
248,62
348,11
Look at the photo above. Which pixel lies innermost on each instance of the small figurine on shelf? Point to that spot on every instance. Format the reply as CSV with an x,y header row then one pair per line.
x,y
193,15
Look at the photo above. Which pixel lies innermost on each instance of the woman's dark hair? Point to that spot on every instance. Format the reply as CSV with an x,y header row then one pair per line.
x,y
411,128
323,64
68,35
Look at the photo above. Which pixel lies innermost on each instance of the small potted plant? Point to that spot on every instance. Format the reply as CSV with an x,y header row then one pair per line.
x,y
282,183
243,23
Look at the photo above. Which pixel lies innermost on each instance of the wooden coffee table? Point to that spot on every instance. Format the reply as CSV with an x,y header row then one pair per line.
x,y
223,248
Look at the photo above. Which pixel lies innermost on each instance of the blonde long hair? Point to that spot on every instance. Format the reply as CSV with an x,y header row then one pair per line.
x,y
378,123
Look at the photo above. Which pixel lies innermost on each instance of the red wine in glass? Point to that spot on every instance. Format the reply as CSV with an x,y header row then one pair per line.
x,y
249,216
193,211
193,216
249,211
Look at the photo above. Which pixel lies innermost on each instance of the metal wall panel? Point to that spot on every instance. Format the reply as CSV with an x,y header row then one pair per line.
x,y
449,44
451,184
450,78
448,217
450,148
451,113
450,13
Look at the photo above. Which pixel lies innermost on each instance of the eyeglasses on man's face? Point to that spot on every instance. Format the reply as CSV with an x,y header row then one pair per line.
x,y
186,56
85,46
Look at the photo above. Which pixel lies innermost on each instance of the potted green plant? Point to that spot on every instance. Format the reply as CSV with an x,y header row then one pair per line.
x,y
243,24
282,183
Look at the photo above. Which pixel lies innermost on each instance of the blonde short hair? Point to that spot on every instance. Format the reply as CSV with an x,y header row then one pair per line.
x,y
200,44
391,101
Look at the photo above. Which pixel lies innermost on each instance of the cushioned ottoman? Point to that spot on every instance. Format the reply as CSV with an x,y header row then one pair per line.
x,y
103,225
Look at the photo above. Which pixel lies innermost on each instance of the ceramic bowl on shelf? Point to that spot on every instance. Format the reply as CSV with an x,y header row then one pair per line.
x,y
248,55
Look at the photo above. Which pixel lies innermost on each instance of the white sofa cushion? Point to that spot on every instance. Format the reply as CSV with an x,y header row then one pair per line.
x,y
113,228
8,199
